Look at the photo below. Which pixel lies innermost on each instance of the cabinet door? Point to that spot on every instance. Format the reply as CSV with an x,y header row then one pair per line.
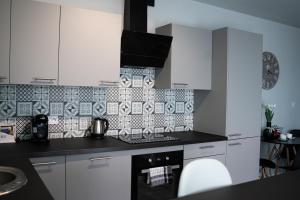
x,y
4,40
220,158
90,46
98,176
34,42
189,63
52,172
244,84
242,159
191,57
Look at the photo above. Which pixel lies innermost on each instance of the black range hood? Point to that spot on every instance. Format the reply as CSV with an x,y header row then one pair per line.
x,y
139,48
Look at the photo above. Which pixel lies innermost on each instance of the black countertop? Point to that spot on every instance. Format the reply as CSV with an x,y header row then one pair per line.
x,y
276,188
17,154
71,146
34,189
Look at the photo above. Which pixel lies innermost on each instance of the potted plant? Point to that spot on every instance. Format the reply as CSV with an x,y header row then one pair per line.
x,y
269,113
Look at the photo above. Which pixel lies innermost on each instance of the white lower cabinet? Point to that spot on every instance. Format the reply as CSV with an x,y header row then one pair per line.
x,y
98,176
52,172
242,159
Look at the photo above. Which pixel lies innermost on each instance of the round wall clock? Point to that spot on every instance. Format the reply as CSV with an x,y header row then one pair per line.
x,y
270,70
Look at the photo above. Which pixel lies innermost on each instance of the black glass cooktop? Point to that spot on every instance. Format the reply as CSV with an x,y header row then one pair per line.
x,y
145,138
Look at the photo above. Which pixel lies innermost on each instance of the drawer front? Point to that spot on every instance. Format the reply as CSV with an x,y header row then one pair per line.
x,y
221,158
204,149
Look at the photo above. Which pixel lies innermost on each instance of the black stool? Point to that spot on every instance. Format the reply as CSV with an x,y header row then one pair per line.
x,y
264,164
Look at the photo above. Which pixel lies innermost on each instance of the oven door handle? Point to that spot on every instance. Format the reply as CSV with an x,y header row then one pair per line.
x,y
145,171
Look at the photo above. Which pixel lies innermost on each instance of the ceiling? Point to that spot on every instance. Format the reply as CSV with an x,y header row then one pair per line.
x,y
282,11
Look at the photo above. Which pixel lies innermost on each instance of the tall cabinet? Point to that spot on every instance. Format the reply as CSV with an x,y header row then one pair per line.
x,y
34,42
233,106
4,40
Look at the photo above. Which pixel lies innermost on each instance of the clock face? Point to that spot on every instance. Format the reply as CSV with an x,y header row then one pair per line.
x,y
270,70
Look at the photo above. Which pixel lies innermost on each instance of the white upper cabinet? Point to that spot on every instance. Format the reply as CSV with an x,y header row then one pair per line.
x,y
90,44
233,107
4,40
34,42
190,59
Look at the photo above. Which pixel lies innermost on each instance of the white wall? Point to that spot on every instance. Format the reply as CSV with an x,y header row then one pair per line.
x,y
282,40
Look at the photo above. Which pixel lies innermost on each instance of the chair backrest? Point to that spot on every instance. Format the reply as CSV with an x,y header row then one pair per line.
x,y
202,175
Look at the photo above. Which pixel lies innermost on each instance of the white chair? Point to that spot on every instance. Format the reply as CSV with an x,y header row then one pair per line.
x,y
202,175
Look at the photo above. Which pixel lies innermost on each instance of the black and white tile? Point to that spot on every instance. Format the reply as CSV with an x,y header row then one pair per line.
x,y
41,107
137,81
159,107
7,109
57,128
71,94
24,93
24,109
134,107
56,93
136,121
86,108
99,94
56,109
86,94
180,107
137,94
112,108
99,108
125,108
137,108
23,128
84,123
40,93
71,109
7,93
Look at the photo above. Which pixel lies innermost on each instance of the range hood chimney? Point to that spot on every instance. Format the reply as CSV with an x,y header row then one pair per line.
x,y
139,48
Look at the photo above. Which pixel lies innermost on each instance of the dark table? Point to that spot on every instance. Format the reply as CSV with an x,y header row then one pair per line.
x,y
281,187
293,142
278,146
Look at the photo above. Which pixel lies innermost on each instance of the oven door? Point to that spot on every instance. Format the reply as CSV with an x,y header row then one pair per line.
x,y
141,188
162,192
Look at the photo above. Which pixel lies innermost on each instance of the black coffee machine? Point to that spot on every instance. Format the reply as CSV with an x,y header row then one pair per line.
x,y
40,128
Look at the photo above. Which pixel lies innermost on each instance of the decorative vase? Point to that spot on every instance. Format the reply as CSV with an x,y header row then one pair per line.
x,y
269,124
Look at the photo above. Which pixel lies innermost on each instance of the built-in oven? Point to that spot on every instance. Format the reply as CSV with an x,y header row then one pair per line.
x,y
146,185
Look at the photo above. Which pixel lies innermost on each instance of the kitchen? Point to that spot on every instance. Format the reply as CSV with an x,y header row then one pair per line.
x,y
60,77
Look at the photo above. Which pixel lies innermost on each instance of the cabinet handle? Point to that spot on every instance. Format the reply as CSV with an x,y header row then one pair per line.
x,y
207,147
2,78
108,83
43,80
235,135
180,85
235,144
101,158
44,163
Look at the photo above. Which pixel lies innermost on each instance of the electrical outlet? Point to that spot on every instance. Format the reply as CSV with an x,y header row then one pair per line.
x,y
53,120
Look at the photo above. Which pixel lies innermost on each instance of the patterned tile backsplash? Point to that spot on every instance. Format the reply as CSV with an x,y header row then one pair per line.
x,y
132,108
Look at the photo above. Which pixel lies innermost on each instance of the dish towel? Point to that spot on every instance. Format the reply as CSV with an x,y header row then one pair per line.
x,y
159,176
